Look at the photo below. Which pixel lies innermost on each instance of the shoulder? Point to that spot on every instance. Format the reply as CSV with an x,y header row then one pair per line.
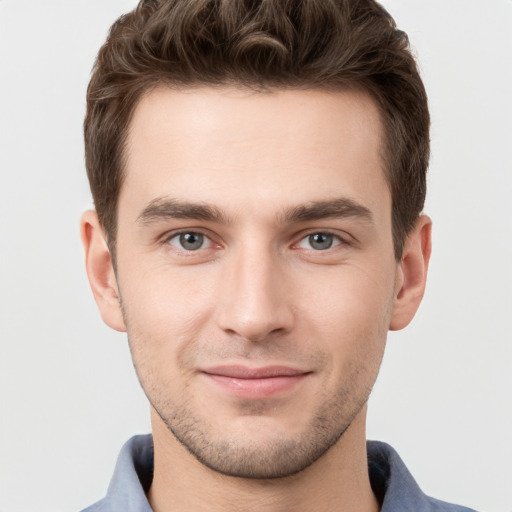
x,y
103,505
396,488
131,480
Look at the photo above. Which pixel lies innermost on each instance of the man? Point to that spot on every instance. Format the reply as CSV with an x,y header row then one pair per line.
x,y
258,172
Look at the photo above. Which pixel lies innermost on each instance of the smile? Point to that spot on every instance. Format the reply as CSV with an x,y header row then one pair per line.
x,y
255,383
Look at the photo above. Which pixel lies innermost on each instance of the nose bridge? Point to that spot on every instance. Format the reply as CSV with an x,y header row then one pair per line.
x,y
254,301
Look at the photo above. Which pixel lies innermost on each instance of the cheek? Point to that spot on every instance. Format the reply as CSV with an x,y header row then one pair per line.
x,y
166,298
352,329
351,310
164,312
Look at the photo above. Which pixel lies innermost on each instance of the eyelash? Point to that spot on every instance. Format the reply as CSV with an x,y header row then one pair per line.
x,y
336,241
177,235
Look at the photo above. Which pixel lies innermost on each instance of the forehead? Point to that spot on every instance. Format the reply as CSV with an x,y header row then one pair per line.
x,y
284,146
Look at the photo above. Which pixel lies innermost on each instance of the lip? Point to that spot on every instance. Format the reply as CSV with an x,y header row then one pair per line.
x,y
255,383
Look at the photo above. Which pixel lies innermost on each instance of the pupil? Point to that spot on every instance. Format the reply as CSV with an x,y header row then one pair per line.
x,y
320,241
191,241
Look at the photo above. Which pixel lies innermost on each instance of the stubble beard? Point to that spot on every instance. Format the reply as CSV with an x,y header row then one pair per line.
x,y
278,456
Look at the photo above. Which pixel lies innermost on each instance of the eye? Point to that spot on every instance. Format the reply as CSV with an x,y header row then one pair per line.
x,y
189,241
319,241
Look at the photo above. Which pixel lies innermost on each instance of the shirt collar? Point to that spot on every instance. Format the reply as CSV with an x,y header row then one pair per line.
x,y
391,481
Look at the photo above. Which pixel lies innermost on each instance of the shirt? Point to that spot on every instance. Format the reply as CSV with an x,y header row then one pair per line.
x,y
391,481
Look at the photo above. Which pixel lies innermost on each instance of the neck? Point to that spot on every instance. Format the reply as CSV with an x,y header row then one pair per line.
x,y
337,481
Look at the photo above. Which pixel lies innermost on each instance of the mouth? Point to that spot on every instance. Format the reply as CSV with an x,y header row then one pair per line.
x,y
255,383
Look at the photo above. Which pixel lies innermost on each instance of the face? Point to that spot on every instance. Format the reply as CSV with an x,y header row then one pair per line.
x,y
255,269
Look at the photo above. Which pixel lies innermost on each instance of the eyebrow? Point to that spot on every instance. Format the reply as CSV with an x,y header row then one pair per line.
x,y
164,208
334,208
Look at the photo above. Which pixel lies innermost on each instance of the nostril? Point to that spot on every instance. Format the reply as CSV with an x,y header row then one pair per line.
x,y
256,330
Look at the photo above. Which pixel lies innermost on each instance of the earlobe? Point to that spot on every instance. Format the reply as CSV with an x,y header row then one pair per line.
x,y
412,274
100,271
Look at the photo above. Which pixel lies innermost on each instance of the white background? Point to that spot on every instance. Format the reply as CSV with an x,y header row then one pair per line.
x,y
68,395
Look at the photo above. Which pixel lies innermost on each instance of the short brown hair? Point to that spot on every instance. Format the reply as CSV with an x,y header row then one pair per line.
x,y
261,44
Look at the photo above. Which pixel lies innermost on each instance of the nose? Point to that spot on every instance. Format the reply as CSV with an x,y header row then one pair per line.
x,y
254,299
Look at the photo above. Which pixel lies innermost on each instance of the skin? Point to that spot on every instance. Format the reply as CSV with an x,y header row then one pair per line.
x,y
257,176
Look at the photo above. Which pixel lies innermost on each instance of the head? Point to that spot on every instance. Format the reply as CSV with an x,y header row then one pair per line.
x,y
264,45
259,170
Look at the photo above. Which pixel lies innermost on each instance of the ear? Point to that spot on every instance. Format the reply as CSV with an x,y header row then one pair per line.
x,y
100,271
412,274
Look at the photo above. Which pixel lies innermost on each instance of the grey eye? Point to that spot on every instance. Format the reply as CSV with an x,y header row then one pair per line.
x,y
321,241
189,241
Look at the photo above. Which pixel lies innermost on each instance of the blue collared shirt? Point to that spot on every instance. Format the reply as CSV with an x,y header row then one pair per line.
x,y
391,481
